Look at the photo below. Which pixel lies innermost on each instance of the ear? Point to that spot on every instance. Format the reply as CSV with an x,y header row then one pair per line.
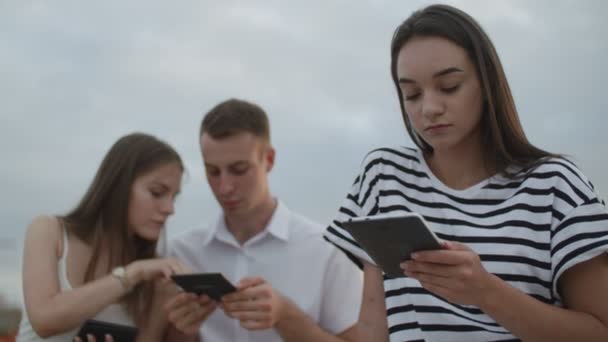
x,y
270,154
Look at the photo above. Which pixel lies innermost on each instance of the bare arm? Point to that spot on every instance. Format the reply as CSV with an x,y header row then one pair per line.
x,y
456,273
372,320
52,311
297,326
583,288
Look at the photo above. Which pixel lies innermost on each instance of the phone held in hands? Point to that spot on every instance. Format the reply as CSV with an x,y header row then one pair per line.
x,y
214,285
119,332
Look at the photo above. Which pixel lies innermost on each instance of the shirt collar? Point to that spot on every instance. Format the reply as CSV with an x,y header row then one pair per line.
x,y
278,226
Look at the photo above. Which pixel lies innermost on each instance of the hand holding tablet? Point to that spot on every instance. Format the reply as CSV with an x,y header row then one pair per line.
x,y
390,240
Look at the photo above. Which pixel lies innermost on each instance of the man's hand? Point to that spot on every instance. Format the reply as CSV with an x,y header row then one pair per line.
x,y
187,312
454,273
255,304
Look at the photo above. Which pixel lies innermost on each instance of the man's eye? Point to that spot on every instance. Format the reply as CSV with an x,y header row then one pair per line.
x,y
241,171
212,173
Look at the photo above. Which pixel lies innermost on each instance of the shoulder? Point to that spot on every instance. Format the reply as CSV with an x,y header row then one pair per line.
x,y
563,176
44,229
400,154
45,226
302,227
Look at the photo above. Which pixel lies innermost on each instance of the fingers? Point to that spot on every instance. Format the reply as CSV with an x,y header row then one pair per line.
x,y
187,311
256,325
252,290
412,268
249,316
249,282
109,338
445,256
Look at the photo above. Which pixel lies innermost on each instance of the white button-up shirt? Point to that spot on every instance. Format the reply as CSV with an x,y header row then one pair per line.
x,y
292,256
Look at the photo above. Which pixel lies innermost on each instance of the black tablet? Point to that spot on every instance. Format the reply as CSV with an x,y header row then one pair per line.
x,y
214,285
119,332
390,240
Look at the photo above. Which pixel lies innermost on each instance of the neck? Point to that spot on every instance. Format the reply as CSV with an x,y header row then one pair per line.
x,y
244,227
460,167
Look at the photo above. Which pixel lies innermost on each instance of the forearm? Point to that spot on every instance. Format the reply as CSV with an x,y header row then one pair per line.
x,y
66,310
156,326
533,320
297,326
372,319
174,335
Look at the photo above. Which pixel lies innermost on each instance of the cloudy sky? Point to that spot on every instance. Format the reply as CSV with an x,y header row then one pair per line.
x,y
75,76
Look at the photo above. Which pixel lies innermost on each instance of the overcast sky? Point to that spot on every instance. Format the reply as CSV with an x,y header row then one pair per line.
x,y
75,76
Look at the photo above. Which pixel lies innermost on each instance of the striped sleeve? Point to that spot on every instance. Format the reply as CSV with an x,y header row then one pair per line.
x,y
353,207
582,234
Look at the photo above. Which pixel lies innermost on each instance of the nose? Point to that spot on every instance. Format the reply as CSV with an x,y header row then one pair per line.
x,y
168,206
226,185
432,106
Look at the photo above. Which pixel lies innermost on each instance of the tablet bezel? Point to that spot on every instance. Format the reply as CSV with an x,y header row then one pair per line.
x,y
390,240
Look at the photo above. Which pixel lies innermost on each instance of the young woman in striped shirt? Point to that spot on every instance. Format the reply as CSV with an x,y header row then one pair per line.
x,y
526,234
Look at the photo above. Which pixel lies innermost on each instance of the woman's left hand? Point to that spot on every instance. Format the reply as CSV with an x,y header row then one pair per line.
x,y
454,273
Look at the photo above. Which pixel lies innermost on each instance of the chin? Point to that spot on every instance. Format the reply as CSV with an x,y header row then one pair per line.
x,y
149,235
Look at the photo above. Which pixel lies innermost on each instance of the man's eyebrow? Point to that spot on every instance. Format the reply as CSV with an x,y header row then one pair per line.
x,y
437,74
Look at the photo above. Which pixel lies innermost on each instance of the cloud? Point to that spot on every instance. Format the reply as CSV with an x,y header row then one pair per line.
x,y
75,76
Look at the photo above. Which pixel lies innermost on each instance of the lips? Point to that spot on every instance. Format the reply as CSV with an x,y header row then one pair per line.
x,y
437,129
159,223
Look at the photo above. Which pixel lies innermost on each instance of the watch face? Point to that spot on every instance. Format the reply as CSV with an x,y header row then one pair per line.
x,y
119,271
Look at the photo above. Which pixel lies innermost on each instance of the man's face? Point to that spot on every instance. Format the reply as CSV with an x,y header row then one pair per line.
x,y
237,171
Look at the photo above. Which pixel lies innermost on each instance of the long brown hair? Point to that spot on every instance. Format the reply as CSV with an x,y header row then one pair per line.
x,y
102,214
503,137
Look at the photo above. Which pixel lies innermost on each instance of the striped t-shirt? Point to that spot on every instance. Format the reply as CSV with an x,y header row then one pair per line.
x,y
527,230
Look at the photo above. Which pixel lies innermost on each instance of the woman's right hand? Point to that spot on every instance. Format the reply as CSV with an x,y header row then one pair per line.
x,y
150,269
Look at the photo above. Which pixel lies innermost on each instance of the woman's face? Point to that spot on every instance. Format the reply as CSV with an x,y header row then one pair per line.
x,y
441,92
152,198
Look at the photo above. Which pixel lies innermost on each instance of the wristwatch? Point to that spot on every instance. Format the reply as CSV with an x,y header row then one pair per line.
x,y
121,274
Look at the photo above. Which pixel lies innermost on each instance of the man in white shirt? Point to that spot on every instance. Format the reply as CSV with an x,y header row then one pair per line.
x,y
292,285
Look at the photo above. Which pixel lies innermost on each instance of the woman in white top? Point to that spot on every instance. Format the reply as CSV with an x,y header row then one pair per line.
x,y
99,261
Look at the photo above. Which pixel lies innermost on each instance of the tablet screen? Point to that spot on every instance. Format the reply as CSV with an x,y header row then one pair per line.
x,y
390,240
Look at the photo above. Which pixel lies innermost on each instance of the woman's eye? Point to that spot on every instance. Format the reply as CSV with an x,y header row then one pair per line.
x,y
449,90
157,193
412,97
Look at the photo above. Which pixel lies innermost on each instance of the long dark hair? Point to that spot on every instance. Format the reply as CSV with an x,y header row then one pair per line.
x,y
503,138
102,214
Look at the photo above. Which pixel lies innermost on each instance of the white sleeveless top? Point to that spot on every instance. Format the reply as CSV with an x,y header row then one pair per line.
x,y
114,313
